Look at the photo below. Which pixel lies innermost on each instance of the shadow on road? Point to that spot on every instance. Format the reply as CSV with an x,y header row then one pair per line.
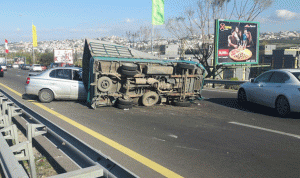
x,y
250,107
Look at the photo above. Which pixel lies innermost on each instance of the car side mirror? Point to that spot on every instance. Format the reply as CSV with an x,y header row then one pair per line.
x,y
251,80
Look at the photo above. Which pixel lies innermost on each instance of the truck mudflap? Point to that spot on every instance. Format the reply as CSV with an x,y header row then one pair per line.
x,y
117,75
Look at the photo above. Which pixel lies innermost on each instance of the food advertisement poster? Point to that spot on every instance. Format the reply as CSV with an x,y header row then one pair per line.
x,y
63,55
236,42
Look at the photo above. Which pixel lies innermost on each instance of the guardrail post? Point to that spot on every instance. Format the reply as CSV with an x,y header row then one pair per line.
x,y
5,106
23,152
32,131
2,99
9,163
11,133
12,113
4,122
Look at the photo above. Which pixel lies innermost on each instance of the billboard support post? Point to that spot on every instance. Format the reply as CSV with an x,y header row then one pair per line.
x,y
215,54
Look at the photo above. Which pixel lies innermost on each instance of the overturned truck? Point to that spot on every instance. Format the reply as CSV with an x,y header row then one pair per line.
x,y
114,74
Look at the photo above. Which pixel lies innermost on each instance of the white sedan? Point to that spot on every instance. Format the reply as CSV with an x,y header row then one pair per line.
x,y
36,67
278,88
57,83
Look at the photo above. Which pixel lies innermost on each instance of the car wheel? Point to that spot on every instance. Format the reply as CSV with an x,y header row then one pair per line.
x,y
150,98
46,96
186,66
104,84
182,103
129,66
282,106
242,97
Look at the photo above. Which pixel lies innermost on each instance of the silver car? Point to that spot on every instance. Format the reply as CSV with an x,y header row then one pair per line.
x,y
279,89
57,83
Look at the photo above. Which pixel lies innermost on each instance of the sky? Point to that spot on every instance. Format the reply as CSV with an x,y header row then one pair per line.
x,y
73,19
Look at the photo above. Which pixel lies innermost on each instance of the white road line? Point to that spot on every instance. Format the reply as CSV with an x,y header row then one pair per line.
x,y
158,139
174,136
189,148
268,130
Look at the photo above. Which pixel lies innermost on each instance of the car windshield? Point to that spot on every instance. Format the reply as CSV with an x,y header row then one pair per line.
x,y
297,75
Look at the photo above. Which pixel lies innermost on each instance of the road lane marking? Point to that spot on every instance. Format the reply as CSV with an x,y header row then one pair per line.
x,y
138,157
195,149
264,129
12,90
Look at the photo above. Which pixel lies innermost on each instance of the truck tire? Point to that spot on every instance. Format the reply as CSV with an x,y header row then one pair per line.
x,y
46,96
128,72
104,84
186,66
122,106
129,66
150,98
124,101
182,103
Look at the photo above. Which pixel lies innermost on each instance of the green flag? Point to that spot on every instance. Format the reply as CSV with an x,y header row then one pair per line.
x,y
158,12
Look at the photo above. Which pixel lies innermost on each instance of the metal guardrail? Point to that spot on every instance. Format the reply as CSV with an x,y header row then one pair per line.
x,y
91,163
228,82
9,163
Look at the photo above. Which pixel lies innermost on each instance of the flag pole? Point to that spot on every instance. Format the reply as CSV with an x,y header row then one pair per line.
x,y
33,60
152,30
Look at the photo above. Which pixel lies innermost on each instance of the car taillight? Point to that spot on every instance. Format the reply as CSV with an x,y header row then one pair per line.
x,y
1,70
28,80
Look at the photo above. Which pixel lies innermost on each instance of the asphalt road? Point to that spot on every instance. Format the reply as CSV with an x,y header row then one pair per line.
x,y
213,138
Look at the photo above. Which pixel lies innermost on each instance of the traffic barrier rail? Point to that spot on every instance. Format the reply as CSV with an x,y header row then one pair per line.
x,y
225,82
90,162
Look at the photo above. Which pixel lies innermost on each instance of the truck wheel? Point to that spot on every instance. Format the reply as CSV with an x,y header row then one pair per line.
x,y
182,103
150,98
46,96
104,84
186,66
128,72
129,66
126,106
124,101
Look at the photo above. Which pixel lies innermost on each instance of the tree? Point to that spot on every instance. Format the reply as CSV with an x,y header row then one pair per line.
x,y
197,24
46,58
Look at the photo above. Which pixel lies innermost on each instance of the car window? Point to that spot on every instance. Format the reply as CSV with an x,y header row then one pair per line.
x,y
61,73
67,74
265,77
279,77
77,75
297,75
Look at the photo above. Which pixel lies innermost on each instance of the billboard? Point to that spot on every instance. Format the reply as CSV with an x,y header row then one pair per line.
x,y
236,42
19,60
63,56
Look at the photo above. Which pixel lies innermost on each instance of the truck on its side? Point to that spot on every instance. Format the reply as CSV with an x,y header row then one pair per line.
x,y
114,74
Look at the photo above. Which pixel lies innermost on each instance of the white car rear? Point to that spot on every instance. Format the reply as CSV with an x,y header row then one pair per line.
x,y
15,66
4,67
36,67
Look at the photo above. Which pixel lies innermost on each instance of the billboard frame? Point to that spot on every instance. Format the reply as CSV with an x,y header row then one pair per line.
x,y
217,26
